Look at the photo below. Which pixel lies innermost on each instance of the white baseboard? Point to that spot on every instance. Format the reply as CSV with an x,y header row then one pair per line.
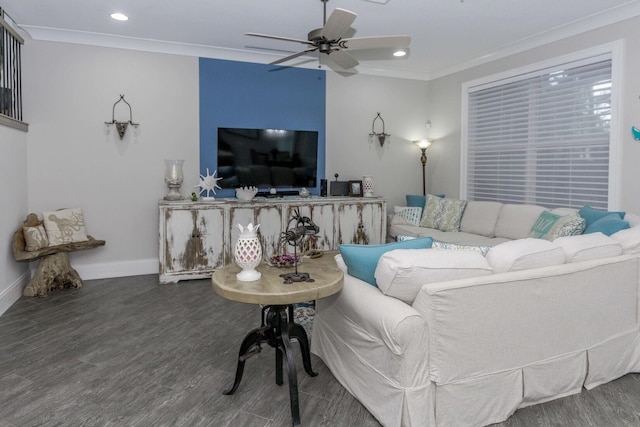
x,y
13,292
117,269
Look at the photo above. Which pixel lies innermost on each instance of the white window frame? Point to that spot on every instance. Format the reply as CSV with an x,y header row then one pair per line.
x,y
615,51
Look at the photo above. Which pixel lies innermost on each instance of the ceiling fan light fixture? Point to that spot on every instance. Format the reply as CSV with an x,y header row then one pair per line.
x,y
119,16
399,53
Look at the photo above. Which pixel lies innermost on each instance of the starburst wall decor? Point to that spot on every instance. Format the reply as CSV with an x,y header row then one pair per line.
x,y
209,183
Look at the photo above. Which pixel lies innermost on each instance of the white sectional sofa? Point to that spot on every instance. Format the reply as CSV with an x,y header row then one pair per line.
x,y
484,223
437,343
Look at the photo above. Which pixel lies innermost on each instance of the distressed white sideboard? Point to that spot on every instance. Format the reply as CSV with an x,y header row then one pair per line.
x,y
198,237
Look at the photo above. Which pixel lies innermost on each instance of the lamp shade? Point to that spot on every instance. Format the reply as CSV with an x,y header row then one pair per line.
x,y
423,144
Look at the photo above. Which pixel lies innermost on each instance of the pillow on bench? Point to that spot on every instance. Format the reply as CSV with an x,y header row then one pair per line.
x,y
35,238
64,226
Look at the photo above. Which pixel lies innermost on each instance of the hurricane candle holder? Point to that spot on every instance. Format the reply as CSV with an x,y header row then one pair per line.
x,y
173,178
248,253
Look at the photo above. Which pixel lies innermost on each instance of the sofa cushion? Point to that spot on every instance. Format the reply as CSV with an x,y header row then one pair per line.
x,y
591,215
629,239
567,225
406,215
516,221
543,224
524,254
361,260
480,217
632,219
607,224
401,273
442,213
449,237
588,246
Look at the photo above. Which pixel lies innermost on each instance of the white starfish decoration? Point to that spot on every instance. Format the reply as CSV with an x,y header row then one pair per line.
x,y
209,183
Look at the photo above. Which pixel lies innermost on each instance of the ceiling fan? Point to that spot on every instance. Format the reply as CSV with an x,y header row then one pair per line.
x,y
328,39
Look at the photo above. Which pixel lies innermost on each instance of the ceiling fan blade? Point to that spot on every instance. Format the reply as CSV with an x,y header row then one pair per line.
x,y
338,24
376,42
343,59
286,39
295,55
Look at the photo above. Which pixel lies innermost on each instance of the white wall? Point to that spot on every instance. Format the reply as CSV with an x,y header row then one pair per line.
x,y
445,96
69,91
13,185
352,104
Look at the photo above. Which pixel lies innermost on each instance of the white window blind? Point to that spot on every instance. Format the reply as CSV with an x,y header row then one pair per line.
x,y
542,138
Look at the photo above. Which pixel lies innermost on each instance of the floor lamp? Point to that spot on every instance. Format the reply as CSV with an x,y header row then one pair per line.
x,y
423,144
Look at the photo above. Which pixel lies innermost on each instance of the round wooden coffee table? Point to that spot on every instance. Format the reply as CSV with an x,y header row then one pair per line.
x,y
277,323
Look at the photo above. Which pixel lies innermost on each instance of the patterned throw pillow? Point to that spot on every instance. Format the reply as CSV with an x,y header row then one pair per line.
x,y
409,215
442,214
64,226
401,238
35,238
543,224
457,247
567,225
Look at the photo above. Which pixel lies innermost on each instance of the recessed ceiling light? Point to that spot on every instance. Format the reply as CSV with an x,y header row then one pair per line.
x,y
400,53
119,16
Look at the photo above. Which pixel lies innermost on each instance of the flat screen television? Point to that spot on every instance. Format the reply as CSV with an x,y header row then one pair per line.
x,y
267,158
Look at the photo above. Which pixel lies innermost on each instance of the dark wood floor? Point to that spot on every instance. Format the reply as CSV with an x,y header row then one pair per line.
x,y
128,352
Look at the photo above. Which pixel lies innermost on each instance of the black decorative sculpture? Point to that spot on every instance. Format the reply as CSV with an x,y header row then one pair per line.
x,y
295,236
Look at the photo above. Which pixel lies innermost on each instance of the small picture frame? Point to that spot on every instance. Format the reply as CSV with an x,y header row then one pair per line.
x,y
355,188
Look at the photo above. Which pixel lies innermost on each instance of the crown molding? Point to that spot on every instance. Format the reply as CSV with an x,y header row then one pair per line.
x,y
626,11
593,22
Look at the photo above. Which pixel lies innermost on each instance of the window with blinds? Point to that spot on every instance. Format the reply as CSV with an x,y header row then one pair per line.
x,y
542,138
10,74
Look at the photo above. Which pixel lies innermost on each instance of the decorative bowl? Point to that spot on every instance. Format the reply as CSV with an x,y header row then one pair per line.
x,y
246,193
283,261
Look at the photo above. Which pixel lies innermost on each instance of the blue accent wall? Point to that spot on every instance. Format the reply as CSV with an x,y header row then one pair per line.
x,y
256,96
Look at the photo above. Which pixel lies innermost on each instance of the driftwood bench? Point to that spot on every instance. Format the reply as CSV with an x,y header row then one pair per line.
x,y
54,270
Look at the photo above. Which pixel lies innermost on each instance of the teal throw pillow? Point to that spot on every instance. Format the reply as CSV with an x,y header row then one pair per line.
x,y
416,201
543,224
591,215
362,260
607,225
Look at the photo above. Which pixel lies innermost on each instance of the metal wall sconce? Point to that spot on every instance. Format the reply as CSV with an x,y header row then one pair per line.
x,y
121,126
423,144
381,137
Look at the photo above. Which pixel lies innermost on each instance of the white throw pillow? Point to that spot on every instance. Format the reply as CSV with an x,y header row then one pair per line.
x,y
402,272
524,254
406,215
629,239
584,247
64,226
